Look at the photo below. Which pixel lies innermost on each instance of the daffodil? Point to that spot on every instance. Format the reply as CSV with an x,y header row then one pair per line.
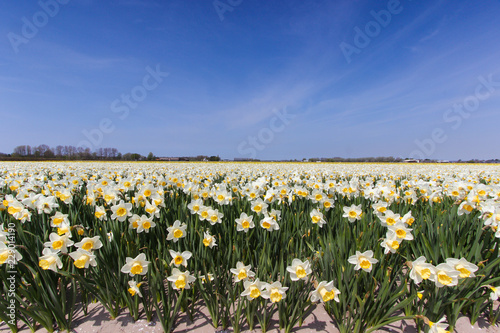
x,y
363,260
259,206
252,289
89,244
317,218
274,292
50,260
134,288
446,275
439,326
145,224
209,240
244,223
299,270
353,213
269,223
214,216
121,211
136,266
195,206
181,280
390,243
389,218
9,255
400,230
422,271
59,242
324,292
57,219
495,293
176,231
180,258
242,272
465,268
83,258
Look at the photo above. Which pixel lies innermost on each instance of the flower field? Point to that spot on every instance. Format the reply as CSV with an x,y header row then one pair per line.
x,y
375,243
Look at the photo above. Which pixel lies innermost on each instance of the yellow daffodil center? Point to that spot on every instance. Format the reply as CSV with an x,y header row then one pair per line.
x,y
178,233
121,211
258,208
327,204
58,220
393,244
12,210
136,268
4,256
146,224
266,224
242,274
254,292
80,263
181,281
364,263
45,263
207,241
196,208
214,218
464,272
352,214
316,219
56,245
444,279
382,209
98,214
147,193
87,246
300,272
401,233
390,221
318,197
326,295
468,208
204,214
245,224
178,260
275,295
131,291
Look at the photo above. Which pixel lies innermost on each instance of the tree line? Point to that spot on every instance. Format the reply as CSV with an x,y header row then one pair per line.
x,y
41,152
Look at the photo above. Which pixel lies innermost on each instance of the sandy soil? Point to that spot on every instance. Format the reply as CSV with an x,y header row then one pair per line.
x,y
98,320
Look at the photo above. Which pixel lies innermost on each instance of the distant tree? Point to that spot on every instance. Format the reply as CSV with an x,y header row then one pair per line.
x,y
19,151
214,158
150,157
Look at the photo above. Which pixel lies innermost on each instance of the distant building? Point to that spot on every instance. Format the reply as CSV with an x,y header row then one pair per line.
x,y
411,161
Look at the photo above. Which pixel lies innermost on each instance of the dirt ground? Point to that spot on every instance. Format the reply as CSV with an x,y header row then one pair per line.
x,y
98,321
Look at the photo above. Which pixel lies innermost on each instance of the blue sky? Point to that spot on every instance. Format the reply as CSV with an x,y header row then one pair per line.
x,y
262,79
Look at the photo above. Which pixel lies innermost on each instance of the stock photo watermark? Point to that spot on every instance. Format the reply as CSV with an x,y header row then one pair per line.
x,y
221,7
373,28
455,116
277,124
11,273
31,27
121,107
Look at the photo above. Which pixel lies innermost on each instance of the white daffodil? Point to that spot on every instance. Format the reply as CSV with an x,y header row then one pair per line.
x,y
89,244
244,223
176,231
363,260
252,289
353,213
422,271
274,292
59,242
136,266
242,272
180,258
209,240
465,268
299,270
121,211
50,260
180,280
324,292
83,258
